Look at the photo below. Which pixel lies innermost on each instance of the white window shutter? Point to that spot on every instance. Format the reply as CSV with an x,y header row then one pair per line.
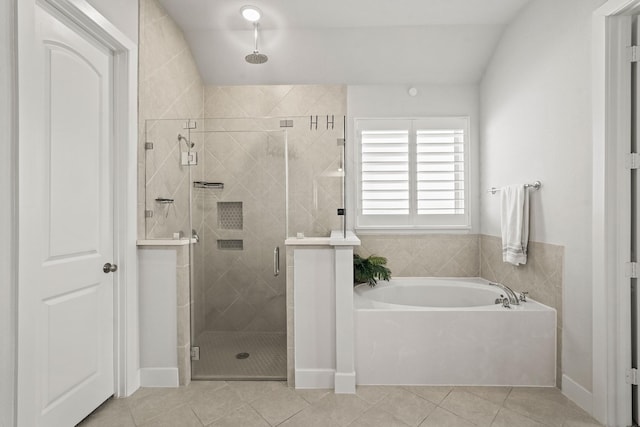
x,y
385,172
440,172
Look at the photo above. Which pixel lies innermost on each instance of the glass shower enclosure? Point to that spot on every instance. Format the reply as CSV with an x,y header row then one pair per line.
x,y
239,188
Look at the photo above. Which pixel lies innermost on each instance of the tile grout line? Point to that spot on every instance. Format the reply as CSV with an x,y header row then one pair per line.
x,y
196,415
520,413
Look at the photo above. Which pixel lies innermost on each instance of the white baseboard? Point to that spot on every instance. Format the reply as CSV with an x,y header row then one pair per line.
x,y
315,378
159,377
345,383
133,384
578,394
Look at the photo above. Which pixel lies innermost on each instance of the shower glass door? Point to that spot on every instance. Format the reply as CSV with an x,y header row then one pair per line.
x,y
238,283
166,189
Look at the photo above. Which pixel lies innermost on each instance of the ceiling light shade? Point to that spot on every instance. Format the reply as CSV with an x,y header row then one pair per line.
x,y
250,13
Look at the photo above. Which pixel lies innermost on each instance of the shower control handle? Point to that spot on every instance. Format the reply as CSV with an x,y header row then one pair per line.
x,y
276,261
109,268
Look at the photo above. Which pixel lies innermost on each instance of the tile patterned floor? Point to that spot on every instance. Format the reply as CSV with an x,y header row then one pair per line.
x,y
269,403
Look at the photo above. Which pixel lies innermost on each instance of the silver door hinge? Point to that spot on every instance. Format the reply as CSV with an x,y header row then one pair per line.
x,y
148,213
148,145
632,161
633,53
195,353
631,270
631,376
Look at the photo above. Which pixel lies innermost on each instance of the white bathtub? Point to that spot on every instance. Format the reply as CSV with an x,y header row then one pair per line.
x,y
449,331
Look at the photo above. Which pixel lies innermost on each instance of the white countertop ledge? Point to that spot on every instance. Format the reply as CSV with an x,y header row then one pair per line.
x,y
336,239
307,241
165,242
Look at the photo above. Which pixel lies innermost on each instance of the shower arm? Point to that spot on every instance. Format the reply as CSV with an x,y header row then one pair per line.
x,y
255,37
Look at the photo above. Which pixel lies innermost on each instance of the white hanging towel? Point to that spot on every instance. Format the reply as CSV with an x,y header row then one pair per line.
x,y
514,216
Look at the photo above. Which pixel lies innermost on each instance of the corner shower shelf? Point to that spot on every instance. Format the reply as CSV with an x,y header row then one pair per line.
x,y
164,200
206,184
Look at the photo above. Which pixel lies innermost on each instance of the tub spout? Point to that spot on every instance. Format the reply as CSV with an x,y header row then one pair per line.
x,y
511,296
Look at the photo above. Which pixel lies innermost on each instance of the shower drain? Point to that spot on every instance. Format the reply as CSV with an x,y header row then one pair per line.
x,y
242,355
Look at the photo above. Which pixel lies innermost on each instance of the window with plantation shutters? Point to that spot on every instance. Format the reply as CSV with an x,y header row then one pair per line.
x,y
413,173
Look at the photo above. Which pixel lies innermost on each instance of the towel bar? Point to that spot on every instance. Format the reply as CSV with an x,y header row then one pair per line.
x,y
535,186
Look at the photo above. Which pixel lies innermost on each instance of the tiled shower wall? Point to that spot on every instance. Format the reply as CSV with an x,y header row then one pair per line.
x,y
473,255
315,190
235,290
170,87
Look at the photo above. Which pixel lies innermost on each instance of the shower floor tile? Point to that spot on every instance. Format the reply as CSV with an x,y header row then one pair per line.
x,y
267,356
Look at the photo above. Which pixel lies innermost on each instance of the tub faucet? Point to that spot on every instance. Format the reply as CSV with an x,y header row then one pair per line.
x,y
511,296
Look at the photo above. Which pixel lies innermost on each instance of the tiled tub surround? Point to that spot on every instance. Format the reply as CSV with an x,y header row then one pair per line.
x,y
429,255
472,255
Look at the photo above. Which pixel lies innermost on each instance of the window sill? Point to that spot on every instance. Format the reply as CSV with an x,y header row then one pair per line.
x,y
464,229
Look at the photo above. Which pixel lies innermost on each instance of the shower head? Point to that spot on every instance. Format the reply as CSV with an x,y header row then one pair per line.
x,y
189,144
256,57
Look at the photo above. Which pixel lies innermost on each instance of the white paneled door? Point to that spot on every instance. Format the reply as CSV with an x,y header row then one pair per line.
x,y
66,345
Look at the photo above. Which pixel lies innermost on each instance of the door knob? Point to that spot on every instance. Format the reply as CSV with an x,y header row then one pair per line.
x,y
109,268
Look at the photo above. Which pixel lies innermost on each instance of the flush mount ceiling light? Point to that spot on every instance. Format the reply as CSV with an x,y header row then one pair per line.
x,y
251,13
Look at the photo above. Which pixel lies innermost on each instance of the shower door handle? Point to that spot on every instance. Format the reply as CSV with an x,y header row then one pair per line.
x,y
276,261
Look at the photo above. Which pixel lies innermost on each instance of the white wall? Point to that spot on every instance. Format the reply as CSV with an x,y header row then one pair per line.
x,y
158,317
432,100
122,13
314,317
536,125
8,249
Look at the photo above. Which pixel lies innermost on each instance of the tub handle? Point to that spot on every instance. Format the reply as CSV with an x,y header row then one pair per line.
x,y
276,261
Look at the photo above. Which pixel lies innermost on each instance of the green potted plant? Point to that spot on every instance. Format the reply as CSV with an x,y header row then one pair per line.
x,y
370,270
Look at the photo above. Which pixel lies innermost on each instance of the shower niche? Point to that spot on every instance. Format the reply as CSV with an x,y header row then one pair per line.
x,y
254,184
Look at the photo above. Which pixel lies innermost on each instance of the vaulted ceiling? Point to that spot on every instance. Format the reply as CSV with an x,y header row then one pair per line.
x,y
345,41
